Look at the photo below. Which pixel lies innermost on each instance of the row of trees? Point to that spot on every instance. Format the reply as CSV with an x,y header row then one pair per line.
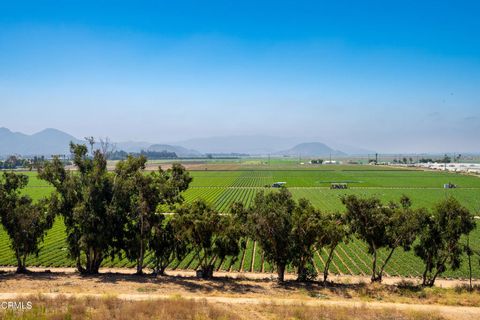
x,y
112,214
13,162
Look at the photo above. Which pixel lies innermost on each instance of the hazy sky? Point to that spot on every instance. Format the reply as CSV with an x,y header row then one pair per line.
x,y
393,76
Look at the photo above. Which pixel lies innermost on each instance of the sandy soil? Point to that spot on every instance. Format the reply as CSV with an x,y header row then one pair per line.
x,y
226,288
345,279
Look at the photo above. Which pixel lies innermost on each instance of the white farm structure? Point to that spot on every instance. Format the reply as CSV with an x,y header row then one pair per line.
x,y
453,167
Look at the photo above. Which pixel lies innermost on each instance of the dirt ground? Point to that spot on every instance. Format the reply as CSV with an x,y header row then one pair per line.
x,y
242,289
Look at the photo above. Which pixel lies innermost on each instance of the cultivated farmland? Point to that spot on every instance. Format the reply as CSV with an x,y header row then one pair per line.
x,y
223,187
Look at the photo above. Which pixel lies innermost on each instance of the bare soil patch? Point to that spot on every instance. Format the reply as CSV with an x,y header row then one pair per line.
x,y
249,290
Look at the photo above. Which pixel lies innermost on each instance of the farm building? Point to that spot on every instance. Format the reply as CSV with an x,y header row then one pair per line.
x,y
278,184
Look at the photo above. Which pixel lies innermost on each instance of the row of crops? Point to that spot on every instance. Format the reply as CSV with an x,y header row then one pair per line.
x,y
222,188
221,199
350,258
322,178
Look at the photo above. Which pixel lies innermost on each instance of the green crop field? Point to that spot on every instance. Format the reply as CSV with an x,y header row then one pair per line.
x,y
240,182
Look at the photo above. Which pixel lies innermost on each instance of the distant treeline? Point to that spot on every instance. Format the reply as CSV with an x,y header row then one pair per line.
x,y
14,162
158,155
152,155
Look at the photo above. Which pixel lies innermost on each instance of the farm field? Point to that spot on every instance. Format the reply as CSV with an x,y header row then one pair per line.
x,y
222,187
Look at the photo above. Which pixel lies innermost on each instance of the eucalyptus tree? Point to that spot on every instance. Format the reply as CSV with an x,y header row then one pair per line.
x,y
271,223
307,226
439,243
209,234
382,226
333,231
402,229
24,221
137,198
83,197
368,218
166,245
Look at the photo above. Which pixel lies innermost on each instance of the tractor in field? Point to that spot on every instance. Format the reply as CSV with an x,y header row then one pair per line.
x,y
449,186
278,184
338,186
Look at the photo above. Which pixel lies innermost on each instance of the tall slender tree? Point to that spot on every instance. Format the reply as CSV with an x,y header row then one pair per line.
x,y
382,226
368,219
333,231
271,223
166,245
439,243
25,222
137,197
307,225
402,229
210,234
84,200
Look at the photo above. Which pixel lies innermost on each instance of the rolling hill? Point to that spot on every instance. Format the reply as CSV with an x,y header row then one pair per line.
x,y
46,142
311,149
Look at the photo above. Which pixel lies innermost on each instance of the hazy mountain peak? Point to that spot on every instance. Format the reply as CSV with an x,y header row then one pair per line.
x,y
311,149
179,151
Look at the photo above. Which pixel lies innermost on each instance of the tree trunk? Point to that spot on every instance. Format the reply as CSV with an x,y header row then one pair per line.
x,y
374,265
380,273
207,272
440,269
470,271
20,265
281,273
301,276
98,262
94,260
79,266
327,264
162,270
425,272
140,261
141,253
424,276
469,253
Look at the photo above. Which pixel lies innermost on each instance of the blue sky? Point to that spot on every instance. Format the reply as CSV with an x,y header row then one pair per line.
x,y
393,76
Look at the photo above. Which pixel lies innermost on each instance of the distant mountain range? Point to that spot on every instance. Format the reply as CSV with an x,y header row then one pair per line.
x,y
52,141
263,144
311,149
251,144
45,142
180,151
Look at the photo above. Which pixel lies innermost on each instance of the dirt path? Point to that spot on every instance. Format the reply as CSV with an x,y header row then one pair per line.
x,y
449,312
349,279
243,288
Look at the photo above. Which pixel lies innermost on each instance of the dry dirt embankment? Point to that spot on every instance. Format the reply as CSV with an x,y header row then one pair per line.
x,y
246,289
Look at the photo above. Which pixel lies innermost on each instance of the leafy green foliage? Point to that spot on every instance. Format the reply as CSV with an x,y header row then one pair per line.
x,y
166,244
137,196
25,222
334,231
382,226
210,234
307,226
84,199
271,222
439,246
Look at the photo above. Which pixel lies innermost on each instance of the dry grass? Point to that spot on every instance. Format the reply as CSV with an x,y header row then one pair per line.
x,y
403,292
178,308
114,284
113,308
341,313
